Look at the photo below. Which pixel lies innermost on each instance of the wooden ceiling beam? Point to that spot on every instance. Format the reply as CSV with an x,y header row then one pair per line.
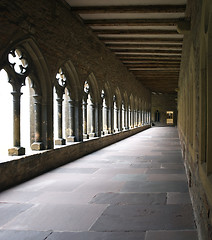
x,y
144,46
166,69
151,63
157,65
150,56
107,39
129,9
135,31
133,22
123,56
169,51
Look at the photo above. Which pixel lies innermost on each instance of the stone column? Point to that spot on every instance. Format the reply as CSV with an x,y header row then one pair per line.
x,y
38,144
142,118
98,120
112,119
102,118
92,134
60,140
127,118
78,120
117,119
135,118
84,114
132,118
120,119
17,150
125,121
108,120
71,137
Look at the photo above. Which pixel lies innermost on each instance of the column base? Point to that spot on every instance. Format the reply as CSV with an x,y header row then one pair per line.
x,y
37,146
85,136
70,139
60,141
92,135
16,151
105,132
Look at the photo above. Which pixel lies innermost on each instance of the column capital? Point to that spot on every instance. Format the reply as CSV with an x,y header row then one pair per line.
x,y
37,98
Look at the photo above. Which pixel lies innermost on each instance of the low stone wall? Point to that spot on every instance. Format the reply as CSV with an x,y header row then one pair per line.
x,y
17,171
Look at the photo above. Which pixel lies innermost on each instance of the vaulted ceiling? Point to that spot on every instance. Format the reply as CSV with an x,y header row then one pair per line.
x,y
143,34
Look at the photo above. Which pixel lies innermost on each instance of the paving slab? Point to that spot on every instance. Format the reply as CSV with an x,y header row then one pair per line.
x,y
159,186
130,177
143,218
75,170
165,171
8,211
23,235
129,198
166,177
178,198
172,235
12,196
57,217
97,236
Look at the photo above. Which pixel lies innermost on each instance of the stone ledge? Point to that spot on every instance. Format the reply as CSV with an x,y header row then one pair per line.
x,y
24,168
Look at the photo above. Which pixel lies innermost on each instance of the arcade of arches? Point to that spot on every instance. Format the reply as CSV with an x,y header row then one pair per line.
x,y
63,94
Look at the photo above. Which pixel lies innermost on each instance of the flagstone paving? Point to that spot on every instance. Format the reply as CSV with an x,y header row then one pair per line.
x,y
135,189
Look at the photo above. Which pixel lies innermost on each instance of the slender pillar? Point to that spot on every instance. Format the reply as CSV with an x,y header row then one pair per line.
x,y
117,119
84,114
105,121
127,118
98,119
120,119
112,119
38,144
78,120
142,118
132,118
71,137
93,127
108,120
17,149
60,140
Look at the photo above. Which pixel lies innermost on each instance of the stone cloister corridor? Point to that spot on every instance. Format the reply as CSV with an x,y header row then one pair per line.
x,y
135,189
106,119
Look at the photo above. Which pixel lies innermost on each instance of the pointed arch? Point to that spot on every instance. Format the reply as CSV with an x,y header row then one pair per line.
x,y
37,72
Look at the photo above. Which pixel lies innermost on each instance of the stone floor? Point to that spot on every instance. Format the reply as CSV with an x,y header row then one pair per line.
x,y
135,189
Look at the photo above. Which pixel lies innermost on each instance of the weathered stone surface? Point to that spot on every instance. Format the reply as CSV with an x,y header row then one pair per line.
x,y
16,151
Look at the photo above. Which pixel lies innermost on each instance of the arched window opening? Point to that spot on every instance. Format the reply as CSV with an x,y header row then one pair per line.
x,y
18,70
59,110
6,123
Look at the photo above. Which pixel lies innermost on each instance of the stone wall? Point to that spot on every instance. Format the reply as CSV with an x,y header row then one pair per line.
x,y
163,103
17,171
194,112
